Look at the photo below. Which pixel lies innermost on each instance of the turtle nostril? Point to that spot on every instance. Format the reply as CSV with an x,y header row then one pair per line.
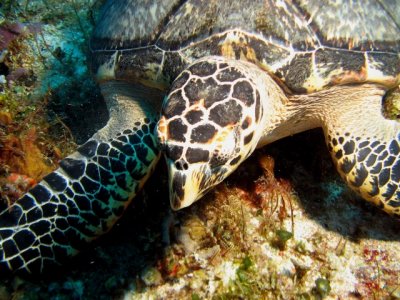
x,y
178,165
181,165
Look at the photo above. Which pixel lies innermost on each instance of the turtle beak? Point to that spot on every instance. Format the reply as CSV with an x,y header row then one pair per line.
x,y
185,186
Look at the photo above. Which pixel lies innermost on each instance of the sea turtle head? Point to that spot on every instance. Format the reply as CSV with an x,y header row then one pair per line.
x,y
207,128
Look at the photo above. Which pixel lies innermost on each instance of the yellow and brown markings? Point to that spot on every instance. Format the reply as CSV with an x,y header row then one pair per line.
x,y
312,71
298,73
209,114
206,101
241,45
383,68
239,50
253,48
301,71
340,66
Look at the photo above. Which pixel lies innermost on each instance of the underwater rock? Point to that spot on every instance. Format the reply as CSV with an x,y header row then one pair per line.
x,y
197,239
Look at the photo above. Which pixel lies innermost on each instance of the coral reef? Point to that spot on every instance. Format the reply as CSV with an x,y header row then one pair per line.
x,y
42,63
262,237
283,226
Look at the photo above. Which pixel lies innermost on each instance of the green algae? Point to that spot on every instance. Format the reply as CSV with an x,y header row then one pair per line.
x,y
322,286
282,237
391,104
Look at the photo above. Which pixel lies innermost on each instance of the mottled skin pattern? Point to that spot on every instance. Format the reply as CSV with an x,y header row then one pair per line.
x,y
237,75
211,123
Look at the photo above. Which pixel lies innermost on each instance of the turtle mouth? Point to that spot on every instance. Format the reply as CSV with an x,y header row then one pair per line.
x,y
189,184
179,196
186,185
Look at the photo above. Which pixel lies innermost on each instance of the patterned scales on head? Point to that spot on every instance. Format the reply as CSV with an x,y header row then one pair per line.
x,y
234,75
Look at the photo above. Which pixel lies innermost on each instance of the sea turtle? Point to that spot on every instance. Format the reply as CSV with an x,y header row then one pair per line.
x,y
234,75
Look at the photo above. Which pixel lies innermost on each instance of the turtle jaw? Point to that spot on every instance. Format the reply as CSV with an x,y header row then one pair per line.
x,y
189,184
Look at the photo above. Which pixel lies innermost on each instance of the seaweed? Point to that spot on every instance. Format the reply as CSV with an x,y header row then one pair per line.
x,y
39,66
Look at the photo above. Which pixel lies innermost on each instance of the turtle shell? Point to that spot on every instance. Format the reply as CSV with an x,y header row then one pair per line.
x,y
306,44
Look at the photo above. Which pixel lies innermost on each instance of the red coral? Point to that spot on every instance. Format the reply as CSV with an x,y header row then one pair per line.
x,y
374,255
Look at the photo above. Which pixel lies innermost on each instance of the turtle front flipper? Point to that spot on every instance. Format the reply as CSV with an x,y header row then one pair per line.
x,y
364,145
212,120
90,190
